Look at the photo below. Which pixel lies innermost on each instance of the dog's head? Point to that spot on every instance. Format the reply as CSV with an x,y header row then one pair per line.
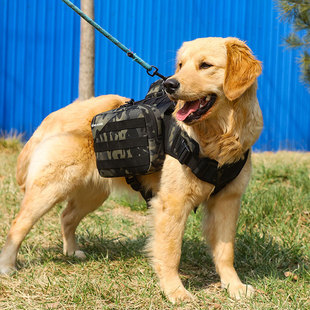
x,y
210,72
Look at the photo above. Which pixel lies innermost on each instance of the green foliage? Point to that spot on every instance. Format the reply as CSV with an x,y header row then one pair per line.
x,y
297,12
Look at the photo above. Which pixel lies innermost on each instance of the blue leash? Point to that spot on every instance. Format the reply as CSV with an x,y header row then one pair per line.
x,y
151,70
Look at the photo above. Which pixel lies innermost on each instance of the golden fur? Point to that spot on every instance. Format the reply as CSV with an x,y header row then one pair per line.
x,y
58,163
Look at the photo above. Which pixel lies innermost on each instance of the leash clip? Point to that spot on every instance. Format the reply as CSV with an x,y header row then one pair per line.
x,y
149,71
152,73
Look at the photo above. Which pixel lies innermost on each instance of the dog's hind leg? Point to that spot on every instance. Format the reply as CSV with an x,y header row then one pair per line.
x,y
37,201
84,202
60,165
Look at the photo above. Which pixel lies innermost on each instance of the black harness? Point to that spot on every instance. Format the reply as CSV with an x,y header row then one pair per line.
x,y
186,151
175,142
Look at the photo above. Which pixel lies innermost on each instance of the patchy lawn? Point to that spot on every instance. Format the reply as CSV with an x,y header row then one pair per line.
x,y
272,248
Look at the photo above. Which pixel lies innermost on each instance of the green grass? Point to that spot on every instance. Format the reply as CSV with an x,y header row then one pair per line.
x,y
272,248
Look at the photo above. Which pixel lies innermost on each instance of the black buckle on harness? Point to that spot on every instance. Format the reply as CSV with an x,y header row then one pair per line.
x,y
184,153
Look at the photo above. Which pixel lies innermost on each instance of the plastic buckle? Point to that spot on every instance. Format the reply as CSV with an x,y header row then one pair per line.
x,y
185,153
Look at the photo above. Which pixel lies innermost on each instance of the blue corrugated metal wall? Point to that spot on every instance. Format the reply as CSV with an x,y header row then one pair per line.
x,y
39,56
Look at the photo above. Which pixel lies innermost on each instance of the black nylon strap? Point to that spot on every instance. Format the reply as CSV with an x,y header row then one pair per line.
x,y
124,163
115,145
229,172
162,103
205,169
126,124
186,151
136,185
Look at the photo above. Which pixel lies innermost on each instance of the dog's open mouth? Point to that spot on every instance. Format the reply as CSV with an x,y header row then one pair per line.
x,y
193,110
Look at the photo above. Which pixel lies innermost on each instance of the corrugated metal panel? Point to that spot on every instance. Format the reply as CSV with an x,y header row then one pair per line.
x,y
38,61
39,56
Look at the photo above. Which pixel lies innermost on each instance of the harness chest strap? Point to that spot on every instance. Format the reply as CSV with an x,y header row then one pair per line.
x,y
186,151
204,169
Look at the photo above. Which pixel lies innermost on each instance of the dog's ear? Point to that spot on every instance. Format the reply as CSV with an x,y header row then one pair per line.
x,y
242,69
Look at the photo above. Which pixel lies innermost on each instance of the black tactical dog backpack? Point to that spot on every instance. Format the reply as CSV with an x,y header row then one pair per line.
x,y
130,140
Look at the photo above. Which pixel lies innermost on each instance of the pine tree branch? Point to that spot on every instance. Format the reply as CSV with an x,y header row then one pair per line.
x,y
293,41
288,9
297,12
305,67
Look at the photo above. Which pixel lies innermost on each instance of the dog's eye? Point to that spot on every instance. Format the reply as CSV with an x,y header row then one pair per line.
x,y
180,65
204,65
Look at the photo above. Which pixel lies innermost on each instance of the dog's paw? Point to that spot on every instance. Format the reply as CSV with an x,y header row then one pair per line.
x,y
79,254
240,291
180,295
7,269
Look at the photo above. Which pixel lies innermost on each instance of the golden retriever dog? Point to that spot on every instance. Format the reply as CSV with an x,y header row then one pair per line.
x,y
58,164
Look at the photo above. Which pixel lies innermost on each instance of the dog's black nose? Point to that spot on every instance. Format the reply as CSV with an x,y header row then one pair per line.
x,y
171,85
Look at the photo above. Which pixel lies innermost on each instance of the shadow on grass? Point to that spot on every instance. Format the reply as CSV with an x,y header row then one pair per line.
x,y
96,249
256,256
113,249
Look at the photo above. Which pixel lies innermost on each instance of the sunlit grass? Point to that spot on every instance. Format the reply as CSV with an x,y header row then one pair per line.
x,y
272,248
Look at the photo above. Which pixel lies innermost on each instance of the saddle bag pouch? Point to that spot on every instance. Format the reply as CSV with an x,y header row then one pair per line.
x,y
129,140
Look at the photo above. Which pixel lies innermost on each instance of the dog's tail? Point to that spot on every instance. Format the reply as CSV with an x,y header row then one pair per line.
x,y
24,159
25,155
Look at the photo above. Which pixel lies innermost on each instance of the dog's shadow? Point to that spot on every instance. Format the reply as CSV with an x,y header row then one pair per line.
x,y
256,256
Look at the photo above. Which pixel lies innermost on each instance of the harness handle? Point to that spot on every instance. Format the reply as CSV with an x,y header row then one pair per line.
x,y
129,53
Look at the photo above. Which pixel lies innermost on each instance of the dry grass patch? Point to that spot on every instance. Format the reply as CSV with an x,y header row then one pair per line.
x,y
284,157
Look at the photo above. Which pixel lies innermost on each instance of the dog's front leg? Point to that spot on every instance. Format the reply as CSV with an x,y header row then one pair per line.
x,y
220,228
170,213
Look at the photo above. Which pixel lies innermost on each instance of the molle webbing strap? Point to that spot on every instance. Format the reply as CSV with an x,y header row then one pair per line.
x,y
109,147
114,145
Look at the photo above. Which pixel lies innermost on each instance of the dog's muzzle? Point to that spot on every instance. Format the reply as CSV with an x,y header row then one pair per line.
x,y
171,85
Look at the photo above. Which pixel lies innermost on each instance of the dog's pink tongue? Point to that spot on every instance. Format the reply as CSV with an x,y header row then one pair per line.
x,y
187,109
